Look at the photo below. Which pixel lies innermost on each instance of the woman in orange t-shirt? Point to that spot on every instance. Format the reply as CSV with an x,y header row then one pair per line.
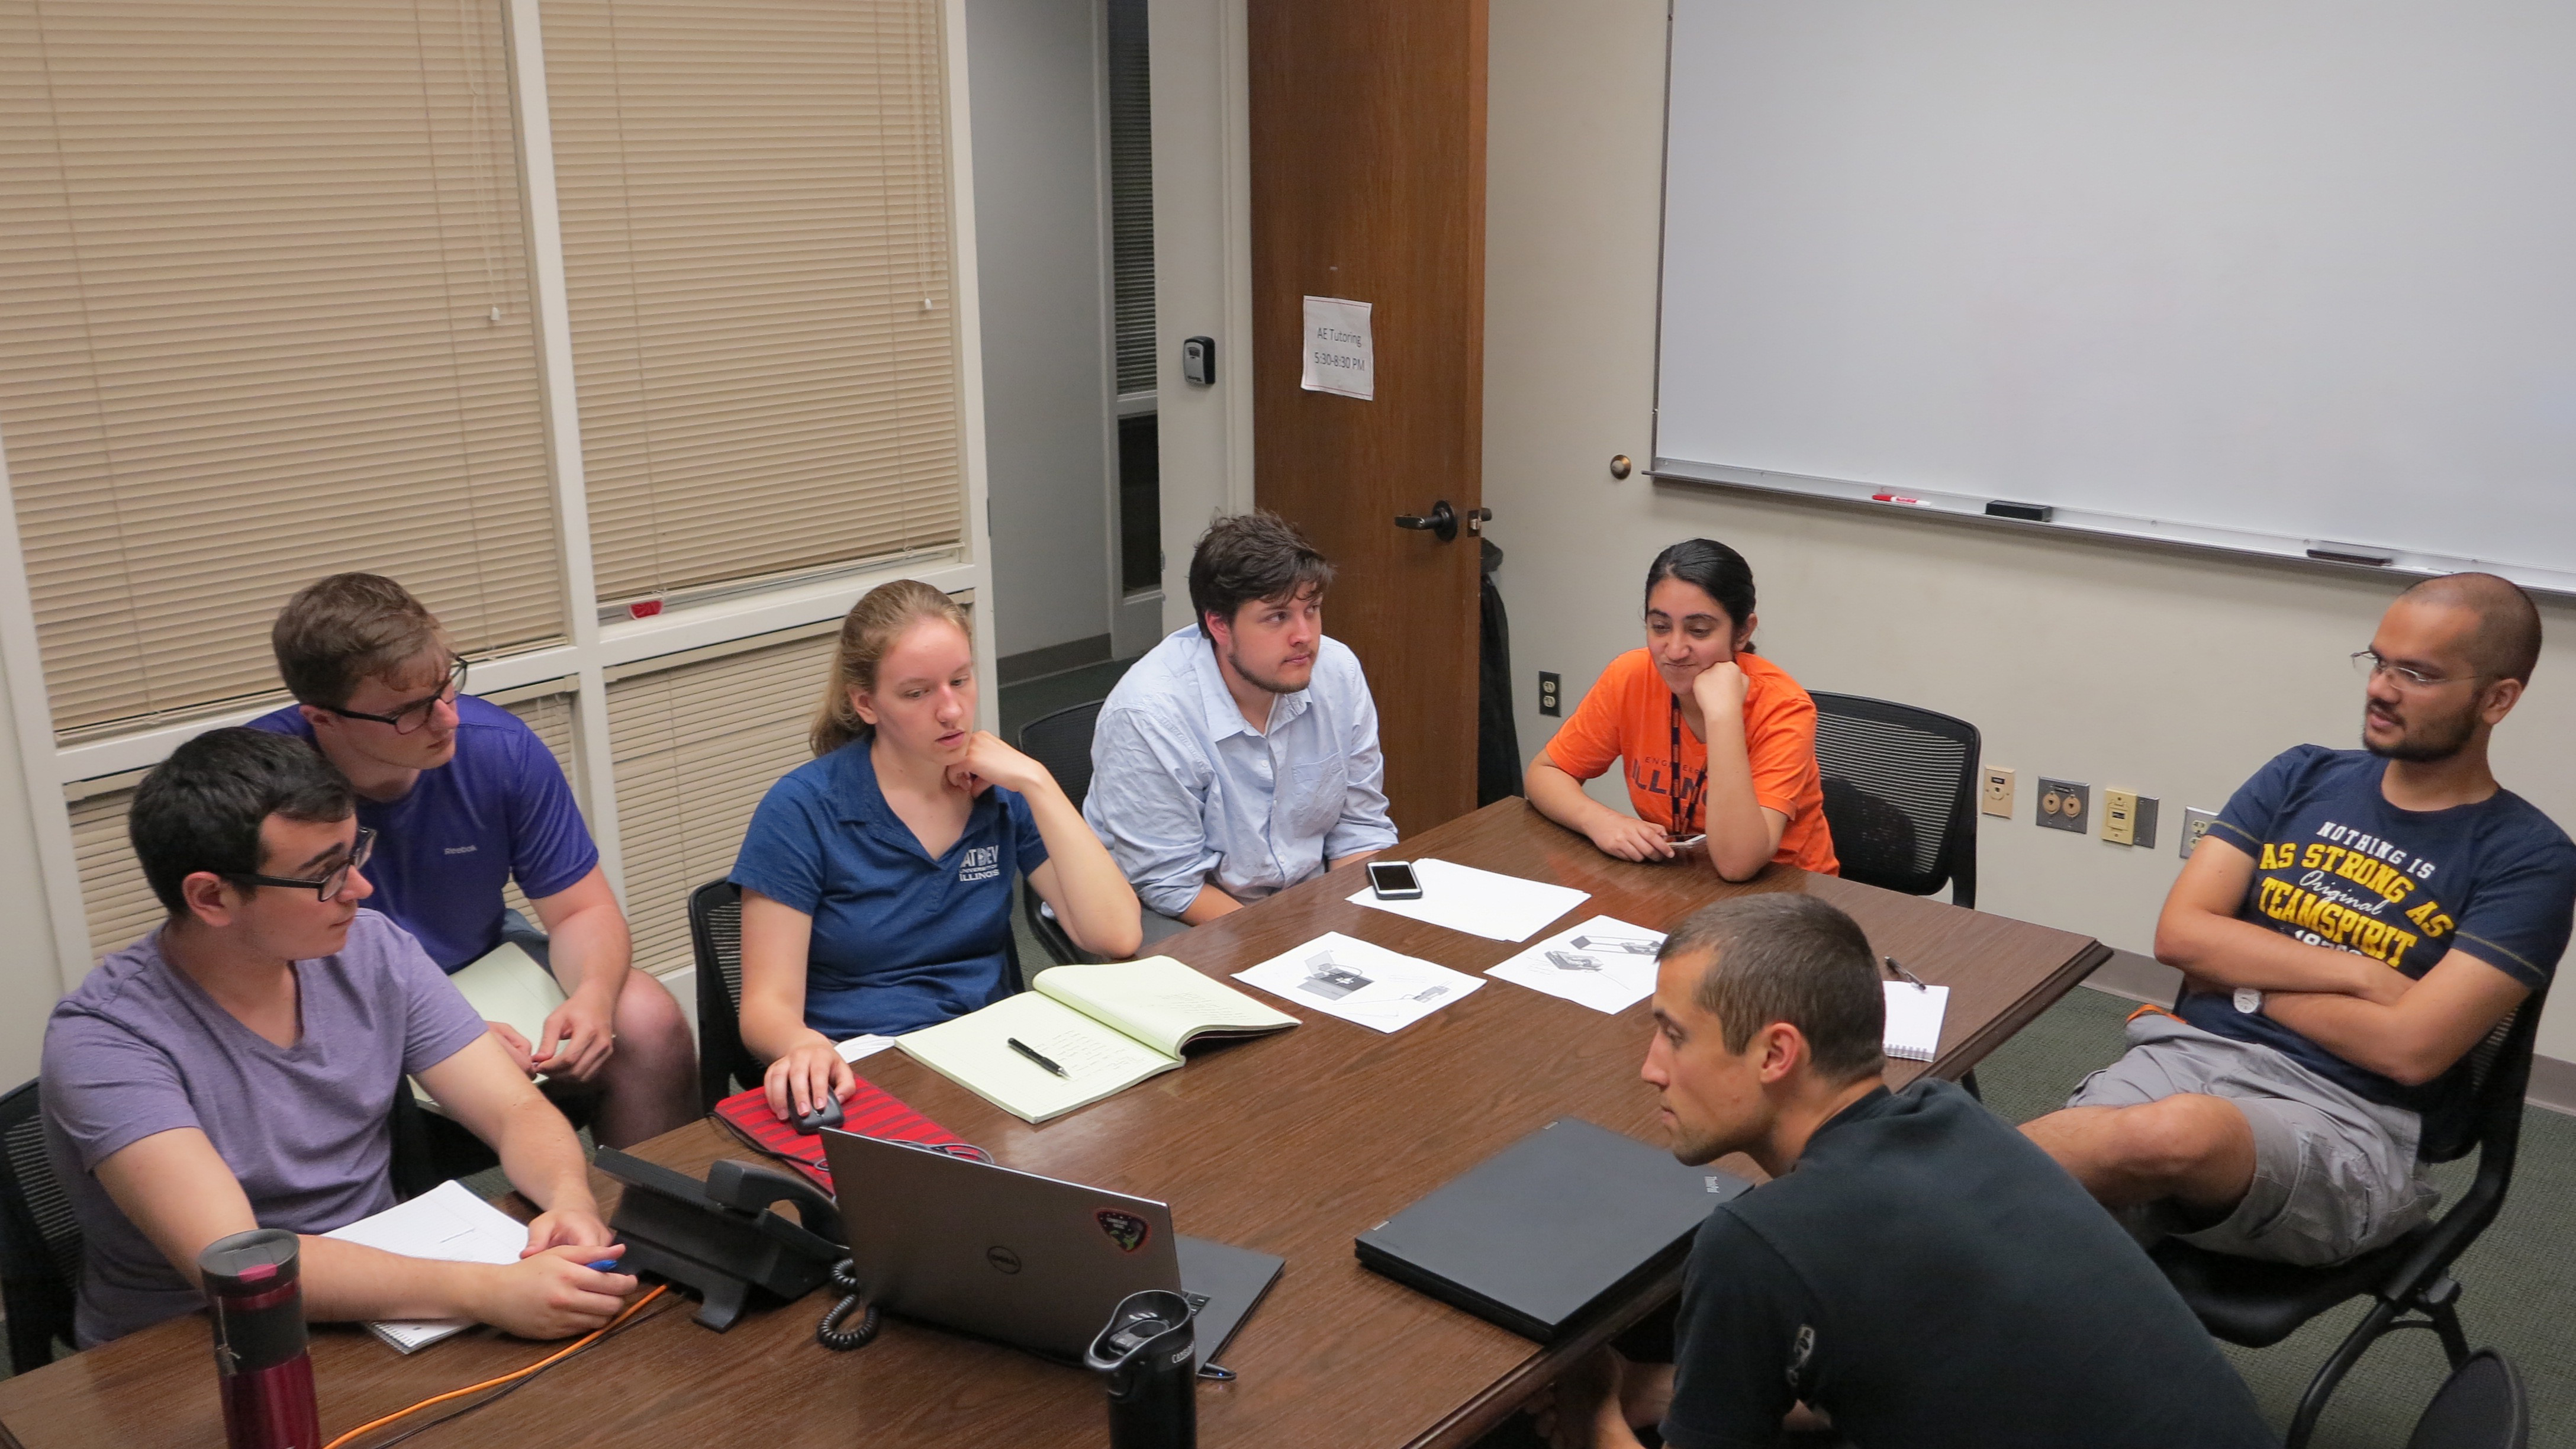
x,y
1715,738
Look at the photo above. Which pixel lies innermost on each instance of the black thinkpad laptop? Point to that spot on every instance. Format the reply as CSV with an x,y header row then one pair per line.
x,y
1532,1237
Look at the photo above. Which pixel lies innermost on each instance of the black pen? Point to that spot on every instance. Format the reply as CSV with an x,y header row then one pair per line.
x,y
1026,1050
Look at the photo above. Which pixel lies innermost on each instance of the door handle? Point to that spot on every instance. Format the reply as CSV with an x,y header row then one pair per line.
x,y
1441,524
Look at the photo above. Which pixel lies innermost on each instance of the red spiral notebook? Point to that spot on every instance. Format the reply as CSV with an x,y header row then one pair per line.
x,y
870,1112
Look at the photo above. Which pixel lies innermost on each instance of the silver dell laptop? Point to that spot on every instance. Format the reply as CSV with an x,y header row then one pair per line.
x,y
1027,1260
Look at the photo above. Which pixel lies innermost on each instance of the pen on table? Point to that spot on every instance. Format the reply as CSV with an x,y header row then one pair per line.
x,y
1032,1053
1904,975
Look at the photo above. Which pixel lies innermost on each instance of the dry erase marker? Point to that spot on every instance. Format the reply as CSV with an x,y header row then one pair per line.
x,y
1897,498
1026,1050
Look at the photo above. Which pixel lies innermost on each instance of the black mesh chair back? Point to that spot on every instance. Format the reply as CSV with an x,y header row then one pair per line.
x,y
40,1239
2258,1304
2481,1406
715,938
1062,742
1900,794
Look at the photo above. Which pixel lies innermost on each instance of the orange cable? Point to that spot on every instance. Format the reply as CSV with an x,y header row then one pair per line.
x,y
585,1342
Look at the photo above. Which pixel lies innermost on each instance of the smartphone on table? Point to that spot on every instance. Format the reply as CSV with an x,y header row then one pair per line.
x,y
1394,880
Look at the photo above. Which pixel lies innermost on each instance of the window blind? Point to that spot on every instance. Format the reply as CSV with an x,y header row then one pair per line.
x,y
120,907
263,316
1131,193
756,240
695,747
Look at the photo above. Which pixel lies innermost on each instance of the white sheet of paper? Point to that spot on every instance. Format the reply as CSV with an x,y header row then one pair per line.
x,y
1914,1020
1349,978
863,1046
448,1223
1479,902
1341,357
1605,964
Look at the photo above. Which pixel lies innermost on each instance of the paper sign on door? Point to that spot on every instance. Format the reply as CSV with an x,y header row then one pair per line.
x,y
1340,358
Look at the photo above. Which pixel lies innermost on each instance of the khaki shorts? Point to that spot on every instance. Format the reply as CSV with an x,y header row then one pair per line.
x,y
2335,1174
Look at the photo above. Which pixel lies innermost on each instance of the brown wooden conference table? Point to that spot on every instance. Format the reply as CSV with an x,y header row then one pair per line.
x,y
1291,1144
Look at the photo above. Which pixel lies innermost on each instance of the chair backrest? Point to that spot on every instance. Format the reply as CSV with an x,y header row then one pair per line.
x,y
40,1238
2480,1406
1900,794
715,938
1062,742
2499,1073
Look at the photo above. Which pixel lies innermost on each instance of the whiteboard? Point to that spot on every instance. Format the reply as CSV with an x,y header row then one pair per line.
x,y
2274,275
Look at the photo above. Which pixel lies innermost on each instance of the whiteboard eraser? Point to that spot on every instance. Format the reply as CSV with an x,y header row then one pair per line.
x,y
2352,554
2026,512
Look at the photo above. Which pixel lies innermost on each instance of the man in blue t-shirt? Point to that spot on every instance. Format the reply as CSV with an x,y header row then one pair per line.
x,y
2353,923
464,798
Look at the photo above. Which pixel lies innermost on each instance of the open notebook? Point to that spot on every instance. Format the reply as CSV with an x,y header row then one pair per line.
x,y
1108,1027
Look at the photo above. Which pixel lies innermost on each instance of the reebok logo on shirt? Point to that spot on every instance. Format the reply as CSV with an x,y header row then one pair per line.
x,y
982,862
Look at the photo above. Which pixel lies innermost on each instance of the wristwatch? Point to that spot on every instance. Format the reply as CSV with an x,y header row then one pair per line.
x,y
2248,1000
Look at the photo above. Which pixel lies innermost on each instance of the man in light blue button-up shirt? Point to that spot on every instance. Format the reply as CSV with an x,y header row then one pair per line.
x,y
1240,755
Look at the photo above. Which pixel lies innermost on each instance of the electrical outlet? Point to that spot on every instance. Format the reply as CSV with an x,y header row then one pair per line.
x,y
2064,805
2195,824
1548,694
1996,798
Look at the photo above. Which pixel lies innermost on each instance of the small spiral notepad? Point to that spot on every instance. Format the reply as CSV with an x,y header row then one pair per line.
x,y
1914,1019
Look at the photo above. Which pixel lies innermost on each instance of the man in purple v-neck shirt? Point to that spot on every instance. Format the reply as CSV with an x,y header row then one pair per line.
x,y
236,1068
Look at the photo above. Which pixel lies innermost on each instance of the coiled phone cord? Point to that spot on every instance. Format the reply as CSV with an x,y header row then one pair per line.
x,y
829,1333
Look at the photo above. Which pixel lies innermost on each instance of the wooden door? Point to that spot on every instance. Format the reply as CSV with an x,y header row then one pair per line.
x,y
1368,183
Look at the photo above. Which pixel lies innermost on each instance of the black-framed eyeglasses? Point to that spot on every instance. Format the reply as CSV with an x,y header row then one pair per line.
x,y
415,716
2370,665
330,884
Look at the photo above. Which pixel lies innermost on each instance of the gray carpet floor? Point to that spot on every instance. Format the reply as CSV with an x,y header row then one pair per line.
x,y
2518,1282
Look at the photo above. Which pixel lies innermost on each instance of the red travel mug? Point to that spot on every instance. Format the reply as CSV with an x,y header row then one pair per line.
x,y
260,1359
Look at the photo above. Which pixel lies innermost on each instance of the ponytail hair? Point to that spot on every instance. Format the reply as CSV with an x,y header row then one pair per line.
x,y
871,628
1715,570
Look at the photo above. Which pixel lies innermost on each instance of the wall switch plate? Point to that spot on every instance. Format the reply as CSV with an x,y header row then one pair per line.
x,y
2146,831
1995,794
2064,805
1548,694
2195,824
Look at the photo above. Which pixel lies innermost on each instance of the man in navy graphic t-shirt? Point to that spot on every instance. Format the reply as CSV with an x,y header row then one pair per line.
x,y
2353,923
464,798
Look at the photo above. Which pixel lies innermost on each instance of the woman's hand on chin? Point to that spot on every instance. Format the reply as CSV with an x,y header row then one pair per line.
x,y
1720,688
990,762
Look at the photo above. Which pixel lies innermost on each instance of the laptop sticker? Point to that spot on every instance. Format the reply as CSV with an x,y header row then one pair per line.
x,y
1127,1230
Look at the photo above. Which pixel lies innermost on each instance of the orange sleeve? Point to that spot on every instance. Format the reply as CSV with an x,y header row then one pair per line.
x,y
1587,745
1780,745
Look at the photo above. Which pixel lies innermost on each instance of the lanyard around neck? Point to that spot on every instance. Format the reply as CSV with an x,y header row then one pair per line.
x,y
1683,803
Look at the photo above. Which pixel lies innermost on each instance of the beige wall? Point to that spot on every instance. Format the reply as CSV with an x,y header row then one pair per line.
x,y
2169,673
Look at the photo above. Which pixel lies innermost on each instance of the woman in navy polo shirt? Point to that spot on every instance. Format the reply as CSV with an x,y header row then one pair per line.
x,y
876,877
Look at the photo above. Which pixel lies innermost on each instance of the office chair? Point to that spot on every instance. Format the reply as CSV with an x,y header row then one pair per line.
x,y
1061,742
1900,794
2257,1304
40,1240
715,938
2480,1406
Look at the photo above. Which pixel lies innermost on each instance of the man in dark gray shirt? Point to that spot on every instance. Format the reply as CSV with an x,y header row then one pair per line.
x,y
1915,1273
